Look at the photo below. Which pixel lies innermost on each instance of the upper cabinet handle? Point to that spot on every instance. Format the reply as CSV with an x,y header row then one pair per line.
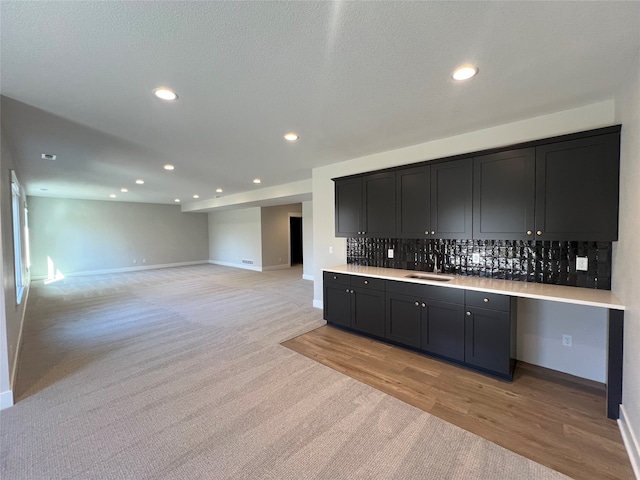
x,y
433,232
539,232
529,232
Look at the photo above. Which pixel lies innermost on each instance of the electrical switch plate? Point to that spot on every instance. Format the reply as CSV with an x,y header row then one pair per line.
x,y
582,263
567,340
330,249
390,253
476,258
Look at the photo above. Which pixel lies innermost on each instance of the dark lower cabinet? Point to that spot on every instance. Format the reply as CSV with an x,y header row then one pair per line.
x,y
443,329
472,328
403,319
354,302
367,311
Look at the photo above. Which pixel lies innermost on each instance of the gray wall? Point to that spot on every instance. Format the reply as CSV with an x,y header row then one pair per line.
x,y
235,235
94,236
626,255
275,235
11,315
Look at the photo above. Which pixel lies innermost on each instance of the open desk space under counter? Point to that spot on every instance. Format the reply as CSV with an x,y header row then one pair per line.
x,y
464,319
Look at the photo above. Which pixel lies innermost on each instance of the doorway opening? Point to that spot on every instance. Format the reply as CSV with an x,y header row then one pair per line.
x,y
295,240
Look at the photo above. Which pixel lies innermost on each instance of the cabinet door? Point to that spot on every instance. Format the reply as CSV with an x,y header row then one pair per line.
x,y
451,199
379,205
337,304
413,202
403,319
368,311
488,340
503,195
348,207
443,329
577,189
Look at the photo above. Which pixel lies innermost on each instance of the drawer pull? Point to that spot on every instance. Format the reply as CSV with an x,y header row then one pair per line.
x,y
468,314
366,282
335,278
485,300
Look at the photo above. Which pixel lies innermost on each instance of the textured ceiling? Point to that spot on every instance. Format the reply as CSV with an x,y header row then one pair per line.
x,y
352,78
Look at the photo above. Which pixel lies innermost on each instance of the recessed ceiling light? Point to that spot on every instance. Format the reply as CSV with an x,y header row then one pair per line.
x,y
256,180
196,196
291,136
465,72
48,156
124,190
140,181
168,166
165,93
218,190
177,200
113,195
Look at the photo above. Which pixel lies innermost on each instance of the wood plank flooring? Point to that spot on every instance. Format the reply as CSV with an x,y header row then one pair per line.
x,y
552,418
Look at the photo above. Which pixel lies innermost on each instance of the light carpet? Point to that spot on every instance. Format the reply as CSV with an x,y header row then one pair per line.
x,y
178,374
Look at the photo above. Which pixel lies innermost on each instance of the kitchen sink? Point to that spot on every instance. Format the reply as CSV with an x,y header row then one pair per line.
x,y
430,276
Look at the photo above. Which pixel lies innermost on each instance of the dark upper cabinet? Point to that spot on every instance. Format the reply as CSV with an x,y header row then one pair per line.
x,y
451,199
379,204
577,189
413,202
365,205
503,195
348,207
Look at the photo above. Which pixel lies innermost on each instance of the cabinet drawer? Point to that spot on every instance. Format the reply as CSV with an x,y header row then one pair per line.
x,y
330,278
492,301
429,292
367,282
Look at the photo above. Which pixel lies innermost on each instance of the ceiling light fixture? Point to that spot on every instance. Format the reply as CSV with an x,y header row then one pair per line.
x,y
165,94
465,72
48,156
140,181
113,195
177,200
124,190
256,180
291,136
168,166
196,196
218,190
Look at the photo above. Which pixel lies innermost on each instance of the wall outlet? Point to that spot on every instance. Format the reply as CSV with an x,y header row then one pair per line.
x,y
582,263
390,253
144,260
330,249
567,340
135,261
475,258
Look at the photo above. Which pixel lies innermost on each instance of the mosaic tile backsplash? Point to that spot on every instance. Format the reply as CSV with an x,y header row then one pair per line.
x,y
525,261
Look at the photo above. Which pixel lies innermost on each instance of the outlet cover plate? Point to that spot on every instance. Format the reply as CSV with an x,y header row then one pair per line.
x,y
475,258
390,253
582,263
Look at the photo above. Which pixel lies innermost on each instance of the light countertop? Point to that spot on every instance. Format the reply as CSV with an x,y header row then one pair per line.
x,y
538,291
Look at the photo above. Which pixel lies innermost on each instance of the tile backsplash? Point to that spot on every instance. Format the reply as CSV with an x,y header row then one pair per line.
x,y
526,261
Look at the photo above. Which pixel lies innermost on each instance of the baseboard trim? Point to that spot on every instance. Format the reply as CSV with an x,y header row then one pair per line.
x,y
306,276
236,265
276,267
631,441
6,399
126,269
317,303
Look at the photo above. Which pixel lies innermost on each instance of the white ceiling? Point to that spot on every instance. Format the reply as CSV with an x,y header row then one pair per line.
x,y
352,78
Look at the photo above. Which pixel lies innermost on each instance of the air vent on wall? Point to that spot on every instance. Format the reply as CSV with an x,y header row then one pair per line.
x,y
248,262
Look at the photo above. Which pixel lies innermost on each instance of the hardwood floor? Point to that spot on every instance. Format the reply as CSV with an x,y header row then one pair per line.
x,y
553,418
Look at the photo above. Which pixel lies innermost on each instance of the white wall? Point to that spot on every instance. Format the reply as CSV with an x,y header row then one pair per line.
x,y
11,315
626,254
307,240
275,235
559,123
95,236
236,235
